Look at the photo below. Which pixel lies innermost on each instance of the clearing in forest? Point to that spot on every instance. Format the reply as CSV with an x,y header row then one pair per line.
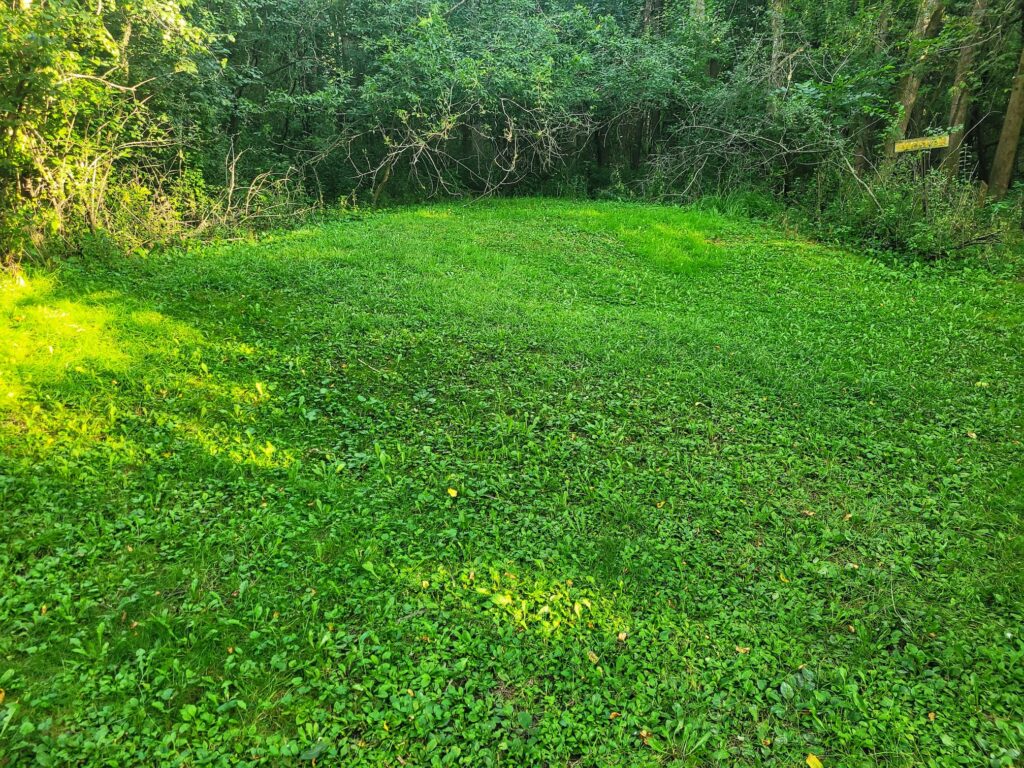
x,y
519,483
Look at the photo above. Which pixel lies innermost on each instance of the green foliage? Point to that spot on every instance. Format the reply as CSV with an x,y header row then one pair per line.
x,y
72,115
721,497
272,108
922,215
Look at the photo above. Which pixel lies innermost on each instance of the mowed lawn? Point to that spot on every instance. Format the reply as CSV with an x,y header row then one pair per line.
x,y
523,483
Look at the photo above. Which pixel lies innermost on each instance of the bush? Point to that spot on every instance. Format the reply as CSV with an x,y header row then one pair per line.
x,y
925,216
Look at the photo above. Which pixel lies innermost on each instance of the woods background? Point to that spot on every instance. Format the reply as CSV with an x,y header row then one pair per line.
x,y
127,125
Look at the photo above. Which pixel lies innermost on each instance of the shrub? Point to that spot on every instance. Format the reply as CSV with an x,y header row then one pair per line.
x,y
925,216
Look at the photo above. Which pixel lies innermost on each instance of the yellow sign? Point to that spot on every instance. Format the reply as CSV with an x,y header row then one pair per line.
x,y
928,142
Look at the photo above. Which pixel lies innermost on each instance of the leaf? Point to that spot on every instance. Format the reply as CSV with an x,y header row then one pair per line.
x,y
786,690
742,649
452,492
593,657
814,762
314,752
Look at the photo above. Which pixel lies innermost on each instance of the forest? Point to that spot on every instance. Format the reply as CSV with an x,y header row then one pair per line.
x,y
487,383
130,125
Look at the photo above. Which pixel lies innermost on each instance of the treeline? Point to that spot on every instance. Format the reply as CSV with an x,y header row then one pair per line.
x,y
130,124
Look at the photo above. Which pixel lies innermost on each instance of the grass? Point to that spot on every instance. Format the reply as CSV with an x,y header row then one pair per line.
x,y
522,483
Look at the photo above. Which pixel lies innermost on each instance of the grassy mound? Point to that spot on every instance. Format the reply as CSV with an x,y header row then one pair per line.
x,y
522,483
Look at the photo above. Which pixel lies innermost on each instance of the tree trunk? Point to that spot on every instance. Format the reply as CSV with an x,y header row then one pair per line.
x,y
1009,138
864,129
648,13
777,13
699,15
929,12
960,103
652,14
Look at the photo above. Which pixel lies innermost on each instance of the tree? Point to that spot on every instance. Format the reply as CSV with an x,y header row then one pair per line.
x,y
777,13
1009,137
652,15
928,19
960,93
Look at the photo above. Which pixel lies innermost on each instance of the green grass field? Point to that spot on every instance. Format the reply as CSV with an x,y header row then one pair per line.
x,y
520,483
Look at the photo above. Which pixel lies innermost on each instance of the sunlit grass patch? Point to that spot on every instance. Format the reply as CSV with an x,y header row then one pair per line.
x,y
45,338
